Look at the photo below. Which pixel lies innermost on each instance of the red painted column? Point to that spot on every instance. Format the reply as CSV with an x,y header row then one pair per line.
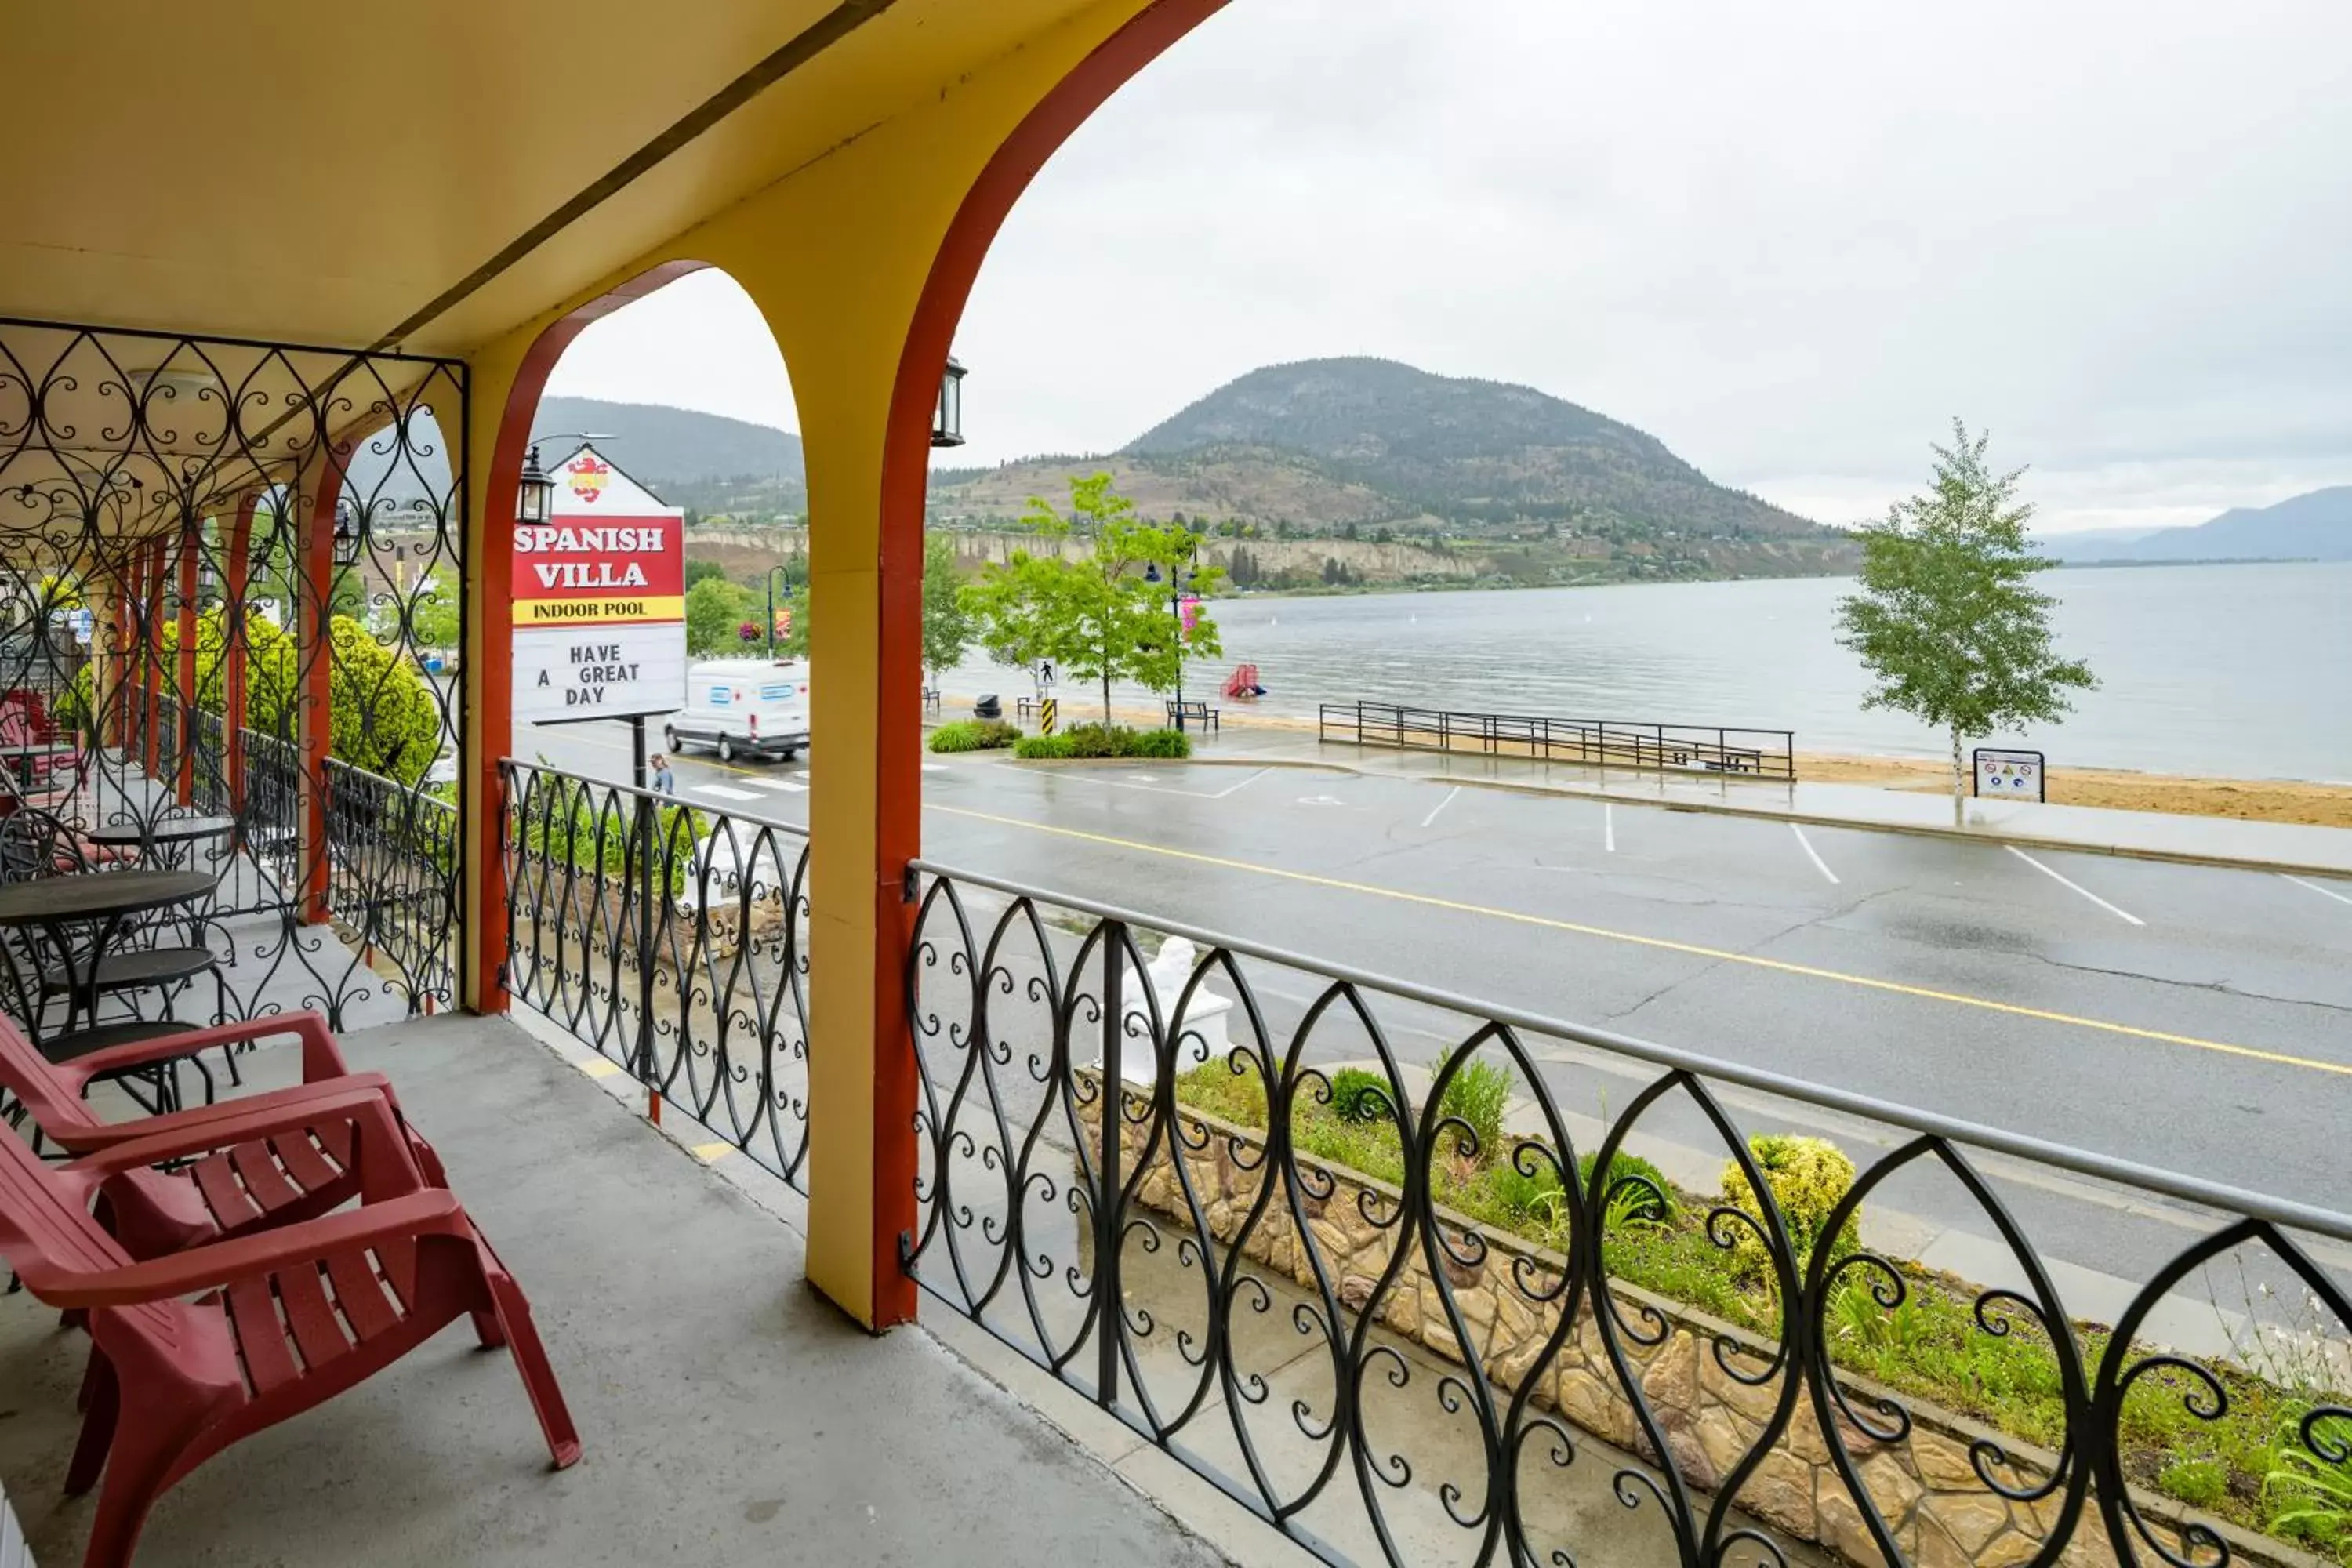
x,y
191,537
122,589
233,653
150,659
314,554
490,619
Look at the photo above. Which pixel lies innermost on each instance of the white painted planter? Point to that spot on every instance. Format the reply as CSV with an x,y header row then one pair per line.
x,y
1204,1017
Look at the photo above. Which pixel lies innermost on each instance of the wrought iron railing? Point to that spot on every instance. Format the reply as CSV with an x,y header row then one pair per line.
x,y
210,773
673,941
308,499
393,877
1390,1309
1596,742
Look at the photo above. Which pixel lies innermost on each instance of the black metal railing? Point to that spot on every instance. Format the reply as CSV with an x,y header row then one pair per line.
x,y
138,464
1349,1258
1594,743
393,876
672,940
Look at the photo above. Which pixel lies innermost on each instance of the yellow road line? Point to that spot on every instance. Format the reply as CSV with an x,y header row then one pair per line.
x,y
600,1068
711,1153
1955,998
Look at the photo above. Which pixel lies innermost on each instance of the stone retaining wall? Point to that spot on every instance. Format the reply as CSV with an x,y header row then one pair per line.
x,y
1924,1487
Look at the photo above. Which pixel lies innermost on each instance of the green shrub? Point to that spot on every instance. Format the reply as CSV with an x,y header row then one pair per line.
x,y
1360,1096
973,735
2198,1482
1808,1177
1097,740
1624,1184
1043,746
2306,1496
1477,1096
1536,1202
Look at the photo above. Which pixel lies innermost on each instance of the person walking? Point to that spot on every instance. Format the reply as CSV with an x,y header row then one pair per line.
x,y
664,781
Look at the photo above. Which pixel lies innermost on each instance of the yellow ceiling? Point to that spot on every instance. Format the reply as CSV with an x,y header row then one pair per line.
x,y
318,174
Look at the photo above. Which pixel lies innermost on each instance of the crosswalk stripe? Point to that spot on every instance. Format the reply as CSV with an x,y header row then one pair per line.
x,y
725,793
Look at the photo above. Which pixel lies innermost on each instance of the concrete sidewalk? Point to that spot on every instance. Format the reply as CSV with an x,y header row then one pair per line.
x,y
2279,847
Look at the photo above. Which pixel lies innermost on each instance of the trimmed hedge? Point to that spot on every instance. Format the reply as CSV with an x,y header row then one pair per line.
x,y
973,735
1105,741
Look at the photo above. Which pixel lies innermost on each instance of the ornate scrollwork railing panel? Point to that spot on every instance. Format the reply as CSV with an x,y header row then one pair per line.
x,y
230,576
673,941
1390,1272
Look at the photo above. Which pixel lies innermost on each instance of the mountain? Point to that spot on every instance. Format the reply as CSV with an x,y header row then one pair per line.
x,y
1460,449
705,461
1360,448
2313,527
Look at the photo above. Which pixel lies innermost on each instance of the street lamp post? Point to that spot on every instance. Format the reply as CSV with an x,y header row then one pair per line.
x,y
1177,573
785,569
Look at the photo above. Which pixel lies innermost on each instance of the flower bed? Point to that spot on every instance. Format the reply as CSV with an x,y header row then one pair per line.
x,y
1962,1384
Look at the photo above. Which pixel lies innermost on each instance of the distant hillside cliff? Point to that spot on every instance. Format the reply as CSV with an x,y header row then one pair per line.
x,y
1458,480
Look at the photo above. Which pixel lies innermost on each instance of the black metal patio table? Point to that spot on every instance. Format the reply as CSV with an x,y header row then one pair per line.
x,y
105,901
166,833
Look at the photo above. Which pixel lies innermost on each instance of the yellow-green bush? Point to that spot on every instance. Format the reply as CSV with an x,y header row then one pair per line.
x,y
1809,1178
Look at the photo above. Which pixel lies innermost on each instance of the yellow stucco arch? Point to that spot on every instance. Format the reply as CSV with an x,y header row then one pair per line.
x,y
860,263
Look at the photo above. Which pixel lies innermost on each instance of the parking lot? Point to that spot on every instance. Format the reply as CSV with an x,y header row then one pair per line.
x,y
2194,1017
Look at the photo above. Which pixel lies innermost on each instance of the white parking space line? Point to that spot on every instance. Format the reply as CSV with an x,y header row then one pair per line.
x,y
2077,886
1609,828
935,767
726,792
1233,788
2322,892
1441,806
1823,867
1149,783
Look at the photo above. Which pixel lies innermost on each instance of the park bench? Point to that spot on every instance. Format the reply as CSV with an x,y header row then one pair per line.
x,y
1197,715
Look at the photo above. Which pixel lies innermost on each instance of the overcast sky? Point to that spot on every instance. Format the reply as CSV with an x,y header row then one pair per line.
x,y
1792,240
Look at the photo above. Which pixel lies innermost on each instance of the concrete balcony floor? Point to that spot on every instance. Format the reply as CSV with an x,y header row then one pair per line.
x,y
729,1413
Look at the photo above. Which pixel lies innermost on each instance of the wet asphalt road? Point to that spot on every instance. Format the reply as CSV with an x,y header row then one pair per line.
x,y
2197,1020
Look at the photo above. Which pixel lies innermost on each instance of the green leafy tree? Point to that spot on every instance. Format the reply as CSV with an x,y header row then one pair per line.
x,y
948,625
1949,622
383,715
698,568
715,608
1097,619
433,617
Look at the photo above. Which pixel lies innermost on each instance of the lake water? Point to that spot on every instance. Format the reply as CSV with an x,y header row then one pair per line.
x,y
2242,671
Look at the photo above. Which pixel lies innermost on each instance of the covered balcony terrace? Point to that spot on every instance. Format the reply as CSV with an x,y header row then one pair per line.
x,y
871,1208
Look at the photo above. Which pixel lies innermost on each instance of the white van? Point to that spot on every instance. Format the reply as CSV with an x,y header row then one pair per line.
x,y
743,708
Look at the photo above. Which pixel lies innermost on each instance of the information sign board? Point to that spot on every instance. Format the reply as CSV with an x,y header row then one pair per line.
x,y
599,594
2015,776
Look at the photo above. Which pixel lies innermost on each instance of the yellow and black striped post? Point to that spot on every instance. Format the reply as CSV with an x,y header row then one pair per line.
x,y
1049,713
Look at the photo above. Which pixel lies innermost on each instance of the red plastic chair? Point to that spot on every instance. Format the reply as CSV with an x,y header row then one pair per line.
x,y
232,1188
53,1092
173,1382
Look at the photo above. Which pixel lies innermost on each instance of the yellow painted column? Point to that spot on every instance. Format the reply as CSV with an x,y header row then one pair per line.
x,y
843,258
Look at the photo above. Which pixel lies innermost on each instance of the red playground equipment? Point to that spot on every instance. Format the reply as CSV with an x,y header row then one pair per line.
x,y
1242,686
